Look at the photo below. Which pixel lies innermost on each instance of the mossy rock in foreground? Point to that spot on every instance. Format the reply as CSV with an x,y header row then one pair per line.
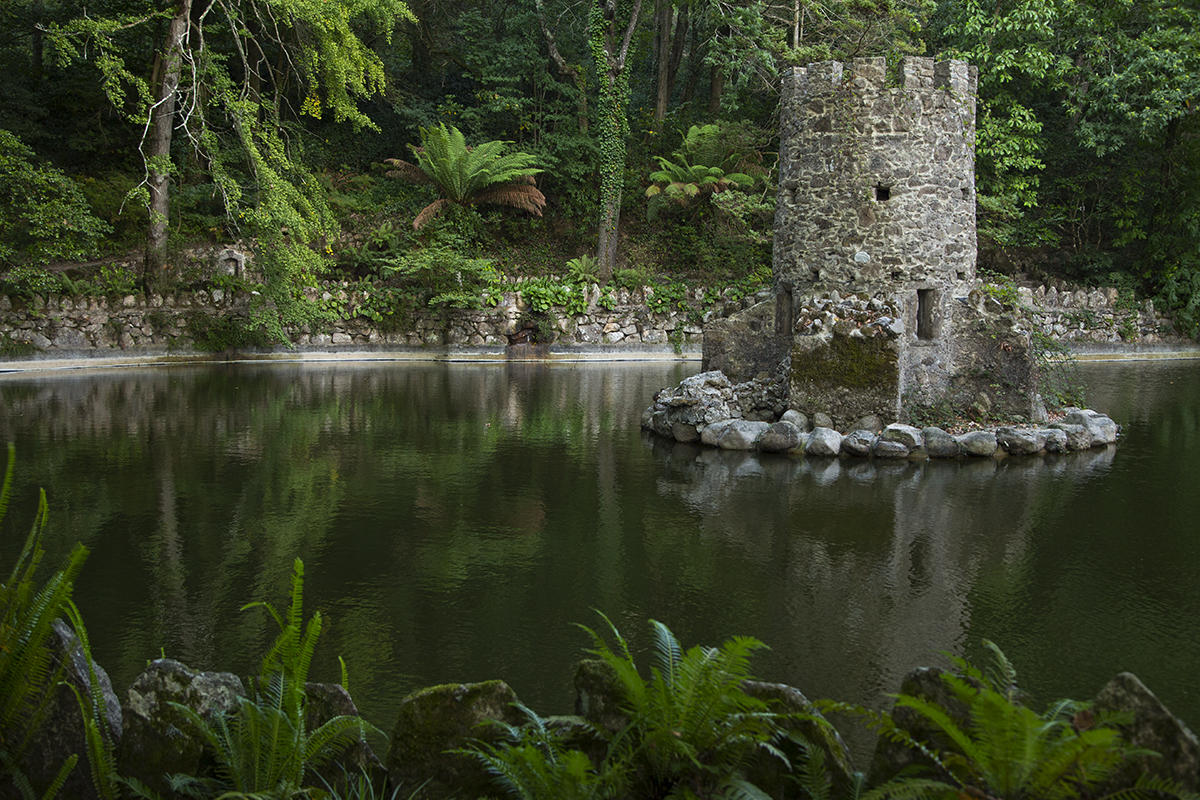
x,y
442,718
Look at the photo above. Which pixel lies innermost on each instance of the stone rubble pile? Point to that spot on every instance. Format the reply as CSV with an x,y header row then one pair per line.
x,y
856,315
707,408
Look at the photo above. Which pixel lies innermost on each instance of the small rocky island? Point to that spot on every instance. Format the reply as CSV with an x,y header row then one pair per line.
x,y
707,408
878,315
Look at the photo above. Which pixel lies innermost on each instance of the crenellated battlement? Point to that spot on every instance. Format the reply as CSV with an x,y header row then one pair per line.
x,y
917,73
877,195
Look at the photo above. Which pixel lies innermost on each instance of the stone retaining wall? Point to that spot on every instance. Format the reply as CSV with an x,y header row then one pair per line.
x,y
1101,316
62,325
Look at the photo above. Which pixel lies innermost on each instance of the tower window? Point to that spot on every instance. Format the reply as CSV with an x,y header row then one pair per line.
x,y
882,192
926,300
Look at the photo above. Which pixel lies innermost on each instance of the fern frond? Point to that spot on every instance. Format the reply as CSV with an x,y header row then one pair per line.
x,y
914,789
406,171
738,788
1000,673
813,776
430,212
326,742
667,652
516,195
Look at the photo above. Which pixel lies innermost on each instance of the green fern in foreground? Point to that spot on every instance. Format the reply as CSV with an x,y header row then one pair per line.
x,y
263,748
691,724
1004,750
534,764
27,614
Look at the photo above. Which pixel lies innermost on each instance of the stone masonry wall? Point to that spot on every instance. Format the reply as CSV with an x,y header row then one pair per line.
x,y
64,326
876,182
1087,318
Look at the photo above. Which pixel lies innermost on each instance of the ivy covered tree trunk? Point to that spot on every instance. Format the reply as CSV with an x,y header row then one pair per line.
x,y
158,147
612,124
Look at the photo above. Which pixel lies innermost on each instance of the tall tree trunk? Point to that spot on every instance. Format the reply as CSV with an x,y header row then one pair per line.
x,y
716,87
158,148
695,65
679,39
38,45
662,49
612,124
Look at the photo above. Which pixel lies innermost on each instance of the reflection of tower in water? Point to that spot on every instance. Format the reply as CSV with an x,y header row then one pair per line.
x,y
863,570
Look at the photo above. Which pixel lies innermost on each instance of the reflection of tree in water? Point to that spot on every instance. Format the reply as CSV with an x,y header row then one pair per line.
x,y
417,495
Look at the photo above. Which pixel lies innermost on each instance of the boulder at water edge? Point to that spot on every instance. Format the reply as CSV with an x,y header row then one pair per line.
x,y
324,701
803,719
891,757
906,435
978,443
741,434
158,739
434,721
1152,727
781,438
1102,429
889,448
858,443
61,732
823,442
939,443
1020,441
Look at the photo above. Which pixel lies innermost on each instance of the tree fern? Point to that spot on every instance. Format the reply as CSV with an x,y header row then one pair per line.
x,y
469,175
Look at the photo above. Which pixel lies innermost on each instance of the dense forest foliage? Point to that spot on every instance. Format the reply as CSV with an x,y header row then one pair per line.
x,y
649,128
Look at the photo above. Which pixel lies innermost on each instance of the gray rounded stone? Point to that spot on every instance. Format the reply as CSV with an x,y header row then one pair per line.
x,y
822,420
871,422
1056,440
939,443
1101,427
1078,436
888,448
858,443
742,434
823,442
906,435
978,443
780,438
682,432
797,418
158,739
711,434
1020,441
1169,748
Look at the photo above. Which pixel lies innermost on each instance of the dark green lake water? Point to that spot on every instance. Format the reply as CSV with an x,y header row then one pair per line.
x,y
455,521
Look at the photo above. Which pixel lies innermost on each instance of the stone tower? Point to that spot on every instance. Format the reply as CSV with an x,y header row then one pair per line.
x,y
878,310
